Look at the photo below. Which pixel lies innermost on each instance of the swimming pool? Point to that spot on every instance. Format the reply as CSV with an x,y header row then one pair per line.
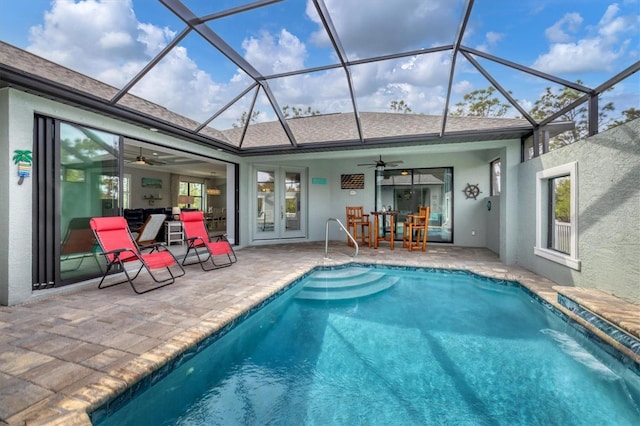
x,y
436,347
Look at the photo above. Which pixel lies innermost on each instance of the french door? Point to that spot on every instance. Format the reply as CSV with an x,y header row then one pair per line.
x,y
280,203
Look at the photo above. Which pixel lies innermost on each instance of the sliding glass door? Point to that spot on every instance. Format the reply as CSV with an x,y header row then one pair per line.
x,y
80,168
407,190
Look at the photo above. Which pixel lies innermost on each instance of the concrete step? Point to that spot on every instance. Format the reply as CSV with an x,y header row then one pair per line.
x,y
345,284
339,274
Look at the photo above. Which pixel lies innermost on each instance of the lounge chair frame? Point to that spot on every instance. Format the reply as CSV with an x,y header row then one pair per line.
x,y
159,257
206,251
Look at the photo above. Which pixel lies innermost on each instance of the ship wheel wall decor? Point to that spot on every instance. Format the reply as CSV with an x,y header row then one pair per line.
x,y
472,191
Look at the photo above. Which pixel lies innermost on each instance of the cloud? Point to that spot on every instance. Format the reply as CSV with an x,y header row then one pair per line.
x,y
559,32
382,26
272,55
105,39
597,51
88,36
491,40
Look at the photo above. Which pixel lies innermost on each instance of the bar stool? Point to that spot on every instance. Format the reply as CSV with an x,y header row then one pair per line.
x,y
419,224
358,220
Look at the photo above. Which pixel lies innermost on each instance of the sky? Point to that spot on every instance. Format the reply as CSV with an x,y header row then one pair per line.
x,y
111,40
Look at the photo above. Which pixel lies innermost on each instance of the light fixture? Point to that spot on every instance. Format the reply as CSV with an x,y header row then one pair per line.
x,y
175,211
186,199
404,172
213,191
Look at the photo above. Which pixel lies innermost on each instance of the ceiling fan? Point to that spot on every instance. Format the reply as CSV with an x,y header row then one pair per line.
x,y
142,160
382,164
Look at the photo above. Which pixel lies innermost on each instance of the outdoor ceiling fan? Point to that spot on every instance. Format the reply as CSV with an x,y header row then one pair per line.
x,y
142,160
382,164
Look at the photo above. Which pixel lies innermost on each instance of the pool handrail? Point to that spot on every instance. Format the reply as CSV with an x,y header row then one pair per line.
x,y
326,237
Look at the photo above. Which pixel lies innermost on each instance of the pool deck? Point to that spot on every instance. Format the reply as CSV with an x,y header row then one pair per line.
x,y
71,352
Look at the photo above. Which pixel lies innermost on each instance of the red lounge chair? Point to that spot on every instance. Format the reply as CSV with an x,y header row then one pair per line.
x,y
197,237
118,247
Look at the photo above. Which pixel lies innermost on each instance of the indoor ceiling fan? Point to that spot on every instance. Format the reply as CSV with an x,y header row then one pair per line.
x,y
382,164
142,160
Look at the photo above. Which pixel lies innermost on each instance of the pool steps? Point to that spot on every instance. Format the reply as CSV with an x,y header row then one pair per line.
x,y
344,284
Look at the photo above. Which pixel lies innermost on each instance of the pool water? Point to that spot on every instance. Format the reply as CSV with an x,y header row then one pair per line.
x,y
435,348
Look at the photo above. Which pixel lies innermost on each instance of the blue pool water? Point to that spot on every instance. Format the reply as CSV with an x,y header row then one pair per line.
x,y
435,348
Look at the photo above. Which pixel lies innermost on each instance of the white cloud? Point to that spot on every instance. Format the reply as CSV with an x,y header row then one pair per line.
x,y
88,36
271,55
563,30
383,26
104,39
584,56
595,52
463,87
491,39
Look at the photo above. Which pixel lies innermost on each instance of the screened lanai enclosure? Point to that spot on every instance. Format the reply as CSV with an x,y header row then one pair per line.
x,y
252,80
328,74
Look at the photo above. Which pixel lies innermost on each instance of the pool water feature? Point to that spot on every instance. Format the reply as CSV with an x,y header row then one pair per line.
x,y
437,347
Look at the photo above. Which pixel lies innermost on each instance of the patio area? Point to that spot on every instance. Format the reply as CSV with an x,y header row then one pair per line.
x,y
68,354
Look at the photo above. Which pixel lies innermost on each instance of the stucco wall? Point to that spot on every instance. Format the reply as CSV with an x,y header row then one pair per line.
x,y
608,213
469,162
5,159
17,111
493,223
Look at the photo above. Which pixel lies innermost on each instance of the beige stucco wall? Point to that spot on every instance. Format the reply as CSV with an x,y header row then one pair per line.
x,y
608,212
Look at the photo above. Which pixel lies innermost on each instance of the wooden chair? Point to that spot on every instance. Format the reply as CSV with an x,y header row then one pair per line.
x,y
418,224
357,220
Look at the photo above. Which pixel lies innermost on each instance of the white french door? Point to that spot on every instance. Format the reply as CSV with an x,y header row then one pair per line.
x,y
280,203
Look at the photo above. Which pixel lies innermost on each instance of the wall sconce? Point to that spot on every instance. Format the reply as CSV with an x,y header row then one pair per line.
x,y
213,191
404,172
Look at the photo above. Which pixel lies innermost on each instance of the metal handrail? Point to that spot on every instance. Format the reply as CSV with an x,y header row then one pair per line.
x,y
326,237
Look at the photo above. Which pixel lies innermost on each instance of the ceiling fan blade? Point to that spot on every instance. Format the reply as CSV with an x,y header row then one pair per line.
x,y
155,162
368,164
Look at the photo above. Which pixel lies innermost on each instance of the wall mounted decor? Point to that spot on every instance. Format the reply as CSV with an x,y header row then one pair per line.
x,y
151,183
472,191
23,159
355,181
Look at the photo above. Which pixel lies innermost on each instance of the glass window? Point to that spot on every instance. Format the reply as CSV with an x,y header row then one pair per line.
x,y
190,195
495,177
556,215
126,191
265,181
559,225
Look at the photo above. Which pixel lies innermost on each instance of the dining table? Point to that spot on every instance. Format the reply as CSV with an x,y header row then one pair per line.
x,y
384,217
